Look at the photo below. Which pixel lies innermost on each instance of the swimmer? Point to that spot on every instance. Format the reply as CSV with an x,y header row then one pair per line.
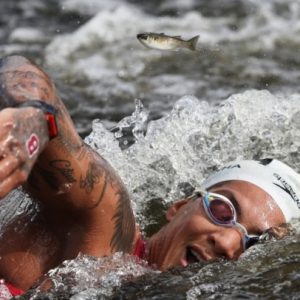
x,y
85,208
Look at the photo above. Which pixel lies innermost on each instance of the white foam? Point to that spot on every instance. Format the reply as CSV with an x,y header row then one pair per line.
x,y
177,4
263,29
196,138
106,53
27,35
90,7
117,27
4,292
87,277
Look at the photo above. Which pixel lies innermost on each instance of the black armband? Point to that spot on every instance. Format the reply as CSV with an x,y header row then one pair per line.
x,y
49,112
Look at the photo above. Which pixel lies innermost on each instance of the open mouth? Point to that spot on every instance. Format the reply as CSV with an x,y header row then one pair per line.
x,y
192,256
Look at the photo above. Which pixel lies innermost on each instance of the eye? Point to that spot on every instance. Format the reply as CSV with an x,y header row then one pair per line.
x,y
221,211
142,36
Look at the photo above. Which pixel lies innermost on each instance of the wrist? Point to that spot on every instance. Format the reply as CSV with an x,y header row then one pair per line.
x,y
49,114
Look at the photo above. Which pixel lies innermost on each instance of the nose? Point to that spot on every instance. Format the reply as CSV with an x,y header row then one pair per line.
x,y
227,242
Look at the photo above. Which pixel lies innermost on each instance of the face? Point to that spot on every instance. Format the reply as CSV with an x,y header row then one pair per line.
x,y
190,236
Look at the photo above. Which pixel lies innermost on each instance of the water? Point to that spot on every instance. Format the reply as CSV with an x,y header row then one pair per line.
x,y
165,120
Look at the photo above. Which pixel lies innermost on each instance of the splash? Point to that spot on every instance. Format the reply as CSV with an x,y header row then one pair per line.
x,y
135,124
14,205
174,155
181,149
4,291
87,277
263,27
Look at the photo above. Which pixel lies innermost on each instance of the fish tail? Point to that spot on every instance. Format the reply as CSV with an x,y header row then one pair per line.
x,y
192,43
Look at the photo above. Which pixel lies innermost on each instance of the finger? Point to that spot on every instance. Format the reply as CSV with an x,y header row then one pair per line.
x,y
13,181
8,165
6,145
7,126
16,150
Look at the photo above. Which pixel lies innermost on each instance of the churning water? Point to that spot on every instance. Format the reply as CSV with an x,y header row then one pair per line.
x,y
165,120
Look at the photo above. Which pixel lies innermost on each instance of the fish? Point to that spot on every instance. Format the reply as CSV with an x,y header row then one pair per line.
x,y
162,41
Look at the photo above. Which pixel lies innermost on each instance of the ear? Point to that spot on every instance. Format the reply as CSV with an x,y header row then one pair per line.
x,y
280,231
173,209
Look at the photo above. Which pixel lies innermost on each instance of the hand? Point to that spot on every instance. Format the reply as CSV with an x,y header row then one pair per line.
x,y
23,136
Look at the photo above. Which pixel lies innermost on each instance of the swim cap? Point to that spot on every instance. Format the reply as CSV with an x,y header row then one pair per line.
x,y
277,179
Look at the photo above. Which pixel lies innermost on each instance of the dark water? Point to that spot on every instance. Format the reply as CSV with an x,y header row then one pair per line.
x,y
266,273
243,45
249,278
204,109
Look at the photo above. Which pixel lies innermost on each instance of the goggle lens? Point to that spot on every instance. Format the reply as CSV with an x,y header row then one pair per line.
x,y
221,211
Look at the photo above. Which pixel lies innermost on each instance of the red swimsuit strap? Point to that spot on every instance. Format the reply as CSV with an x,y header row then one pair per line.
x,y
13,290
139,249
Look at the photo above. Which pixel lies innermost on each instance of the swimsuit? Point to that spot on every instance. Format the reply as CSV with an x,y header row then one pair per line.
x,y
139,249
7,288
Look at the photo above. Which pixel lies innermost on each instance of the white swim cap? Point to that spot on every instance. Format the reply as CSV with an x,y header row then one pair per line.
x,y
277,179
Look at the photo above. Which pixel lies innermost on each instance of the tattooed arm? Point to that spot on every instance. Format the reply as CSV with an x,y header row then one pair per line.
x,y
81,197
23,135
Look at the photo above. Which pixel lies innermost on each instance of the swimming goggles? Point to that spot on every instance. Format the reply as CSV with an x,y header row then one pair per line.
x,y
221,211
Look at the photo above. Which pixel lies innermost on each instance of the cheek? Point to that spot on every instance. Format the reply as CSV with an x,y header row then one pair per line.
x,y
189,223
195,227
195,222
178,229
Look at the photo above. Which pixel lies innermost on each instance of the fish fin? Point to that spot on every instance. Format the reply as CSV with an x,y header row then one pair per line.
x,y
192,43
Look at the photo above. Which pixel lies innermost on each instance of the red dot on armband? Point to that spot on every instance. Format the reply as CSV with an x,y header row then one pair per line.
x,y
52,127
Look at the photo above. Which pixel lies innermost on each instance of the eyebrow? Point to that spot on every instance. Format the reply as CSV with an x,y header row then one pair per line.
x,y
236,205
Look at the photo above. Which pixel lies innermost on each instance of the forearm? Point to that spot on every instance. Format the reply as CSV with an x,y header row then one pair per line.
x,y
66,168
23,136
22,82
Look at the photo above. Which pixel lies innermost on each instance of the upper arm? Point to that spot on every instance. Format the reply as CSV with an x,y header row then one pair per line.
x,y
69,179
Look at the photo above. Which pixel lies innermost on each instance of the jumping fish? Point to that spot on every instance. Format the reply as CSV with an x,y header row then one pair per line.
x,y
162,41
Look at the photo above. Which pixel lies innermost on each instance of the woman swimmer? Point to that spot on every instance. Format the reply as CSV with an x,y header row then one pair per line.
x,y
84,207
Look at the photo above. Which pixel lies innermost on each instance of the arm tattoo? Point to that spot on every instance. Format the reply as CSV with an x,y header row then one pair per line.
x,y
64,168
124,223
123,236
84,151
101,195
68,146
49,177
92,177
124,229
18,81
